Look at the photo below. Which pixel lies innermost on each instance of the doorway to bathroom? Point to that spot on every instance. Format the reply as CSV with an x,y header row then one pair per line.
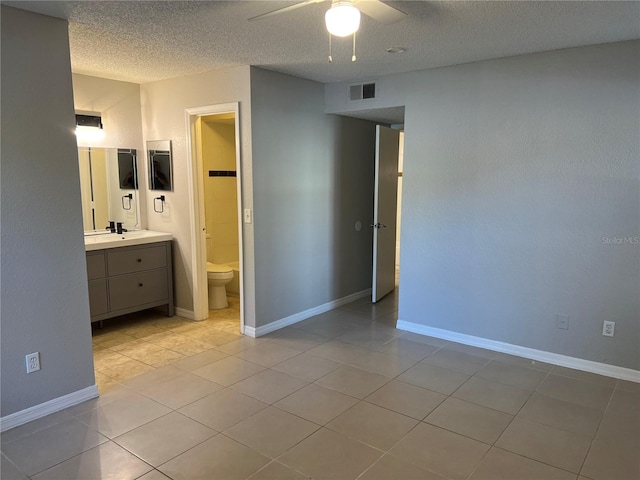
x,y
217,229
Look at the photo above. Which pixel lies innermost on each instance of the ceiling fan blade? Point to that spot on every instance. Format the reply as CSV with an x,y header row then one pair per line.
x,y
380,11
295,6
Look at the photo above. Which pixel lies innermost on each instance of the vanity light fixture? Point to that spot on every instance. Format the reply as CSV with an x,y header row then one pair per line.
x,y
89,128
89,121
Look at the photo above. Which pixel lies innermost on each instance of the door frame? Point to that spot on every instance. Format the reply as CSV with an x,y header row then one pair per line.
x,y
196,208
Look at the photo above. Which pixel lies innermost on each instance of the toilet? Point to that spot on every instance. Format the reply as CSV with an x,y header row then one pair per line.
x,y
217,277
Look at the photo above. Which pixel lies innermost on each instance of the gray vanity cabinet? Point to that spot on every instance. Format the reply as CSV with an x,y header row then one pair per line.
x,y
97,273
127,279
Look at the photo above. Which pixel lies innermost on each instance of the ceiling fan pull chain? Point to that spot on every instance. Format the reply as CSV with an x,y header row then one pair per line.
x,y
330,57
353,57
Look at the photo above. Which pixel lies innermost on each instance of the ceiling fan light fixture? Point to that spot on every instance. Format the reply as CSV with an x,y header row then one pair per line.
x,y
342,19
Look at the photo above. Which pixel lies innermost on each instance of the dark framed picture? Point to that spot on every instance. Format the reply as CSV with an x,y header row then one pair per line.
x,y
160,165
127,169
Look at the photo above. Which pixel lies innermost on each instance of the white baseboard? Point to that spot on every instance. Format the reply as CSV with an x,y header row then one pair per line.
x,y
52,406
184,313
298,317
526,352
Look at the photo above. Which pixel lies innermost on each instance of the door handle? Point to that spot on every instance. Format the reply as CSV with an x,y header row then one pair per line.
x,y
378,225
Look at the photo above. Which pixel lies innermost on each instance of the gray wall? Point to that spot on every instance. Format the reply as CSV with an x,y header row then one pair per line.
x,y
313,179
44,300
163,118
516,173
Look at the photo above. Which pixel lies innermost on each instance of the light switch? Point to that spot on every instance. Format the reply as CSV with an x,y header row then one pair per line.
x,y
247,215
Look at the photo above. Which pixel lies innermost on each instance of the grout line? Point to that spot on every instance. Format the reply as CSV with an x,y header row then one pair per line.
x,y
595,435
374,347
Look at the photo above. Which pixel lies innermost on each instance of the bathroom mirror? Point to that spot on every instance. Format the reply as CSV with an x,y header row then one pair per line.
x,y
108,187
160,165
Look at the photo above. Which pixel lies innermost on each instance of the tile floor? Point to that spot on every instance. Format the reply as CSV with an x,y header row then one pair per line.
x,y
142,342
343,395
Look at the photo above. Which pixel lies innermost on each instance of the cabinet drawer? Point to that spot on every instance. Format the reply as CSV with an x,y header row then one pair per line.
x,y
138,289
136,259
98,297
95,266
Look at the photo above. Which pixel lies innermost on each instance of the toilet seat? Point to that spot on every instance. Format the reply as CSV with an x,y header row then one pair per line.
x,y
215,268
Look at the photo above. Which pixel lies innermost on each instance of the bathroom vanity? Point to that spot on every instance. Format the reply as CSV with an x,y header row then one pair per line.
x,y
129,272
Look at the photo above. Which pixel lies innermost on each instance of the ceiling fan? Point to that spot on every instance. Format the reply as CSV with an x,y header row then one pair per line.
x,y
343,17
375,9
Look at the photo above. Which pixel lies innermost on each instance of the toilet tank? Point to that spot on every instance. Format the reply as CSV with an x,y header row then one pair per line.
x,y
209,248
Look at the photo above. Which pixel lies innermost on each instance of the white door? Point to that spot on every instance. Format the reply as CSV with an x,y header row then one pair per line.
x,y
385,212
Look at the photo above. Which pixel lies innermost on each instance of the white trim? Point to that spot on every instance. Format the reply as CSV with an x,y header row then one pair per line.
x,y
184,313
240,216
47,408
526,352
199,286
298,317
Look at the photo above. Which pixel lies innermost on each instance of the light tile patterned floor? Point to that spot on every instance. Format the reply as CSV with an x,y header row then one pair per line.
x,y
342,395
141,342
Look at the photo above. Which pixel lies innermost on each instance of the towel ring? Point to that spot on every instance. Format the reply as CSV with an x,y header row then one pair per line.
x,y
155,208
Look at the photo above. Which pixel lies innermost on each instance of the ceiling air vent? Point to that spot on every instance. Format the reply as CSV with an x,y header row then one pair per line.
x,y
362,91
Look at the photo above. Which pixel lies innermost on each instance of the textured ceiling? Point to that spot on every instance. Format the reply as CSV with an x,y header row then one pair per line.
x,y
142,41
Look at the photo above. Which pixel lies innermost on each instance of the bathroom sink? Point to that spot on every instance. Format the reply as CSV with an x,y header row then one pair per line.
x,y
114,240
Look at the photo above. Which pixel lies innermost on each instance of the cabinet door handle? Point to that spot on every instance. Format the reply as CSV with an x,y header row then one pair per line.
x,y
139,260
140,285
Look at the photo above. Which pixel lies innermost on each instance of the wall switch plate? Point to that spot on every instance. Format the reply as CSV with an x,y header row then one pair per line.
x,y
33,362
562,321
608,328
247,215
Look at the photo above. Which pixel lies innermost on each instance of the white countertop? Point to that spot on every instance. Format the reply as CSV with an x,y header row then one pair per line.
x,y
114,240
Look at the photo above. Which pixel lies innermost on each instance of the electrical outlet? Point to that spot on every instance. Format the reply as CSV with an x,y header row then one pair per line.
x,y
33,362
608,328
562,321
